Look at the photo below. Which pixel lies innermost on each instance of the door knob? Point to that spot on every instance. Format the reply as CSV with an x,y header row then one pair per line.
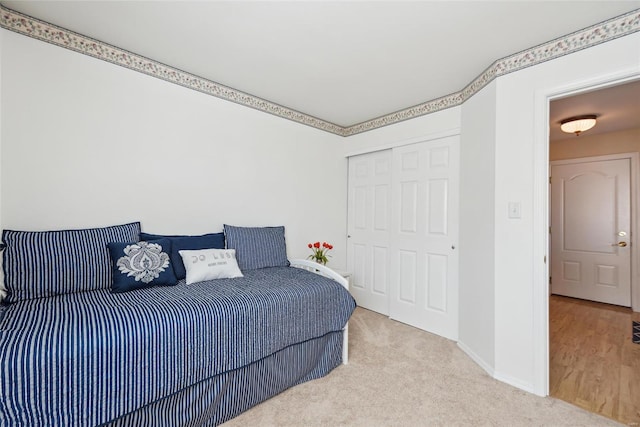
x,y
621,244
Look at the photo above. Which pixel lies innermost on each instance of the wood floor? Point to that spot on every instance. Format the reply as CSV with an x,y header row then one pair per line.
x,y
593,362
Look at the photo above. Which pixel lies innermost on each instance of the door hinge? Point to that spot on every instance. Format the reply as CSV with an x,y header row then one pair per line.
x,y
549,180
545,259
549,279
549,230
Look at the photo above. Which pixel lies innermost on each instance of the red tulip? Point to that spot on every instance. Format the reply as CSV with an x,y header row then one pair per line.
x,y
316,245
310,245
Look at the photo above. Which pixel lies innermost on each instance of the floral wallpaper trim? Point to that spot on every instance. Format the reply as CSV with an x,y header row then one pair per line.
x,y
608,30
37,29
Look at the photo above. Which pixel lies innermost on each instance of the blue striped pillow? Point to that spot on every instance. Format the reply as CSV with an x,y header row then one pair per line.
x,y
39,264
257,247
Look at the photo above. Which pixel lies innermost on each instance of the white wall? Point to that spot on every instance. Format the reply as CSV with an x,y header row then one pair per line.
x,y
2,32
2,288
477,229
624,141
87,143
521,175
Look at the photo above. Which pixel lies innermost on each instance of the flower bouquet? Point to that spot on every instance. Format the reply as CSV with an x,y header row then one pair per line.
x,y
320,252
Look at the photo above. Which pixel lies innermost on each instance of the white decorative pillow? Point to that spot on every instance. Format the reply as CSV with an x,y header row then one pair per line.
x,y
210,264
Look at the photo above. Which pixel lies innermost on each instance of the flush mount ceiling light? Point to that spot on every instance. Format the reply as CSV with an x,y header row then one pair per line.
x,y
578,124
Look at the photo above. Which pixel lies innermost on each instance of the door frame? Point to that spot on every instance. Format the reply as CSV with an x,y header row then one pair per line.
x,y
633,188
540,220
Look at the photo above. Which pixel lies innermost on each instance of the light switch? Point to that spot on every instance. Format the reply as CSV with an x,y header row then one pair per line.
x,y
514,210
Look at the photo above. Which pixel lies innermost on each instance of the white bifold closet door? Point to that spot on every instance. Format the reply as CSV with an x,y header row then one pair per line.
x,y
416,256
369,225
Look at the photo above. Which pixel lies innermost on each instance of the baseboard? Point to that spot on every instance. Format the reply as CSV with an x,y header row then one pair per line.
x,y
528,387
496,375
477,359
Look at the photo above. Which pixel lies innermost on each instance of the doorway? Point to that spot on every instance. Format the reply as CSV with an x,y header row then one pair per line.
x,y
590,352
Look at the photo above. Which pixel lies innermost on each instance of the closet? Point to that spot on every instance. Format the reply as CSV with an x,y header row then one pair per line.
x,y
403,233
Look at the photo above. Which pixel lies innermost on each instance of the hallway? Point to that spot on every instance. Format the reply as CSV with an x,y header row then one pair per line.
x,y
593,362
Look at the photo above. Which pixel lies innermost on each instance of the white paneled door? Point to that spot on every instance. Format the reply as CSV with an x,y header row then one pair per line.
x,y
369,220
590,230
403,233
424,236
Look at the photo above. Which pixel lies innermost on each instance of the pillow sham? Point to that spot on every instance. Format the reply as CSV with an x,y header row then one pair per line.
x,y
257,247
138,265
178,243
40,264
210,264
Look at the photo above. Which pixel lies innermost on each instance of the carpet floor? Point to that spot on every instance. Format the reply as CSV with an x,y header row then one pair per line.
x,y
401,376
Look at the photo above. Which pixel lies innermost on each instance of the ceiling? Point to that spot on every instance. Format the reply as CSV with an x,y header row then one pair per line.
x,y
617,108
343,62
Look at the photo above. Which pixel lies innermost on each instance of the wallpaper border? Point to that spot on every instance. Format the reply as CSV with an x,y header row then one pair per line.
x,y
591,36
50,33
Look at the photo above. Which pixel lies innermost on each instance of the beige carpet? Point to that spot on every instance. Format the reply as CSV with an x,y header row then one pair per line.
x,y
401,376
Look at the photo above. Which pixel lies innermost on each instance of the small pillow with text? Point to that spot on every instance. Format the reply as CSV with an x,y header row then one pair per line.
x,y
210,264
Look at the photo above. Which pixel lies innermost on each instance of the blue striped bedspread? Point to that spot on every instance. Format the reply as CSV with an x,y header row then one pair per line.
x,y
88,358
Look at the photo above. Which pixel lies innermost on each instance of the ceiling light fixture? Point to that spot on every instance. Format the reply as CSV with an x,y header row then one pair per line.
x,y
578,124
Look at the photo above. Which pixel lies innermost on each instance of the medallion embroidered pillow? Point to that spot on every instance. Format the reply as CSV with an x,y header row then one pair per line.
x,y
40,264
140,265
210,264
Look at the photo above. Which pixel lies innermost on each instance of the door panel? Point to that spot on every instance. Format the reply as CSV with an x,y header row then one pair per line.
x,y
437,279
590,235
369,216
381,199
437,205
380,270
424,214
408,206
408,274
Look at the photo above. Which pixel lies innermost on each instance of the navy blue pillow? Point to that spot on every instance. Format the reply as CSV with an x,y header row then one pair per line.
x,y
40,264
140,265
179,243
257,247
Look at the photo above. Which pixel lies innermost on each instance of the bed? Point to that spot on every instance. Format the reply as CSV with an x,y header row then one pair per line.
x,y
196,354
